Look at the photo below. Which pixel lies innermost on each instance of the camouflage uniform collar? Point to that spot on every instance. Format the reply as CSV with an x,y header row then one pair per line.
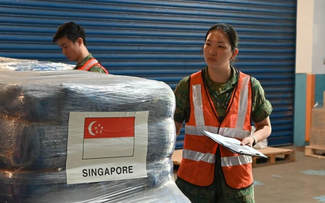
x,y
83,61
222,87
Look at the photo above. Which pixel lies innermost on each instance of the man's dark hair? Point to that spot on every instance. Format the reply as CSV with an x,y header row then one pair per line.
x,y
72,30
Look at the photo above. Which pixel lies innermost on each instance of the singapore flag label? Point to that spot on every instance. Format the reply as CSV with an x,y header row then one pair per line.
x,y
106,146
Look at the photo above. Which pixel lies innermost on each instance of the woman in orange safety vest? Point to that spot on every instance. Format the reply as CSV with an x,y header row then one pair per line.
x,y
222,100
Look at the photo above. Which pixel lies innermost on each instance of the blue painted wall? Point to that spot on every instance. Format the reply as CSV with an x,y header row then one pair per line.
x,y
300,109
319,88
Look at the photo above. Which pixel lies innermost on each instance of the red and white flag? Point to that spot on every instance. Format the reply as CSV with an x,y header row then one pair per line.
x,y
108,137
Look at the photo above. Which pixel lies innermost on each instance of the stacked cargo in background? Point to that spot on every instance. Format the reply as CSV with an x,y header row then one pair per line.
x,y
316,146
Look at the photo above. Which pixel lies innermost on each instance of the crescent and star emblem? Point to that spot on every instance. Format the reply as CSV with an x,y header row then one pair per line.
x,y
98,128
89,128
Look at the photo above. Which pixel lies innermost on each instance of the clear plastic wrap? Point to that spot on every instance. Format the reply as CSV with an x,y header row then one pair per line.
x,y
31,65
34,128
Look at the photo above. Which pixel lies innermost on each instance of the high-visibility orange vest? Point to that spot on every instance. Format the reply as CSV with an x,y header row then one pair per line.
x,y
199,153
91,63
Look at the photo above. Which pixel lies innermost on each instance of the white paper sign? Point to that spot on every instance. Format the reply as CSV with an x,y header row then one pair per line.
x,y
106,146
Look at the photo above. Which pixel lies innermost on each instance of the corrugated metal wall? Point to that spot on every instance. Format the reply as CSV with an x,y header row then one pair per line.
x,y
163,40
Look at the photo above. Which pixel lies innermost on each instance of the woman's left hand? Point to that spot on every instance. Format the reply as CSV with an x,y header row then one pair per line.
x,y
248,141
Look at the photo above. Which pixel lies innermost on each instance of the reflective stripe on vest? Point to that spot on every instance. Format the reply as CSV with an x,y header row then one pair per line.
x,y
243,100
198,106
89,64
199,156
235,160
228,132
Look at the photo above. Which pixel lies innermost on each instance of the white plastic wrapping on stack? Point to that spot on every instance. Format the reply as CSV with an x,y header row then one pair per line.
x,y
31,65
34,122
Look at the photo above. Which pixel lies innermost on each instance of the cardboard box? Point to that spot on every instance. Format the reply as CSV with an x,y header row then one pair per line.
x,y
317,136
318,118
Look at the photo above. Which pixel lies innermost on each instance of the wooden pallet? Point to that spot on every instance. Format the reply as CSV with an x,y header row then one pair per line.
x,y
275,155
311,151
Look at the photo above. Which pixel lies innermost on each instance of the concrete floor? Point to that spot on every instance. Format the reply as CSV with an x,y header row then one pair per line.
x,y
302,181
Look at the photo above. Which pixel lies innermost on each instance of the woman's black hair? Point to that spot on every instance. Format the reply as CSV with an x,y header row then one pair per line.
x,y
229,31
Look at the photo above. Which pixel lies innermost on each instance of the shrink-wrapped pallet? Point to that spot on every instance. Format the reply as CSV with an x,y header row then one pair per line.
x,y
35,131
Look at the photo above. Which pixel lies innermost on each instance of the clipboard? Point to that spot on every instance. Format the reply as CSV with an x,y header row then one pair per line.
x,y
234,145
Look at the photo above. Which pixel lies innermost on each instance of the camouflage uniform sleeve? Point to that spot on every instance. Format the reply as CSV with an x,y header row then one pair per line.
x,y
97,69
182,103
262,107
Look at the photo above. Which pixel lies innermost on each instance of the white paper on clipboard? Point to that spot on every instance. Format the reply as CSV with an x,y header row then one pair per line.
x,y
233,145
